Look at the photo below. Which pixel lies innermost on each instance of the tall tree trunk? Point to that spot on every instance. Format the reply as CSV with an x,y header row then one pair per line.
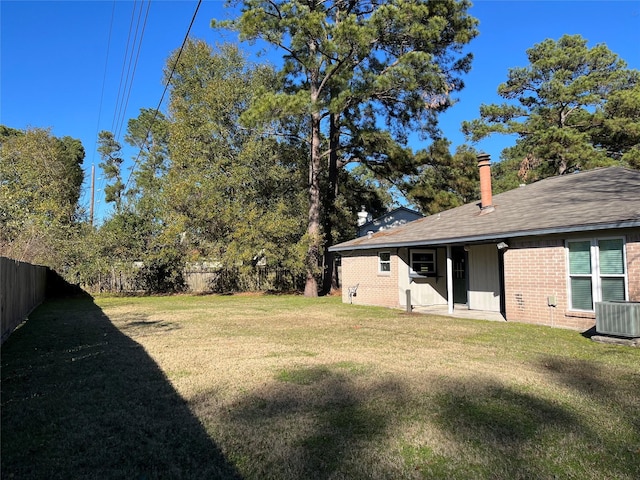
x,y
313,229
330,273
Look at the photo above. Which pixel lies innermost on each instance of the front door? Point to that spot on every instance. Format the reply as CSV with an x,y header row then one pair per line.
x,y
459,275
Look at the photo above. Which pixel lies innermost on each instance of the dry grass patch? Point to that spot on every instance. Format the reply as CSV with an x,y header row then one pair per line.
x,y
288,387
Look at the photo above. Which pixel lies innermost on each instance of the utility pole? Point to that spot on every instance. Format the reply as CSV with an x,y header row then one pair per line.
x,y
93,191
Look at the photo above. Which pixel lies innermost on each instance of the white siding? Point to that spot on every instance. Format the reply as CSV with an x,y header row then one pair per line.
x,y
484,278
424,291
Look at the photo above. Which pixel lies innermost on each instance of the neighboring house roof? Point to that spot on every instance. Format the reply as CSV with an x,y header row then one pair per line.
x,y
597,199
391,219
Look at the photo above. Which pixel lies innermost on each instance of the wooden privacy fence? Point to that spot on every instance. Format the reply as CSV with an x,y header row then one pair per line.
x,y
22,288
258,279
199,279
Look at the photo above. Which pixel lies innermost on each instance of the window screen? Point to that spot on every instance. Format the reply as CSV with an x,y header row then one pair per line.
x,y
423,262
384,262
596,272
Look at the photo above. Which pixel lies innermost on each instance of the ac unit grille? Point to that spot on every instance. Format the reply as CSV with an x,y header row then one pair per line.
x,y
618,318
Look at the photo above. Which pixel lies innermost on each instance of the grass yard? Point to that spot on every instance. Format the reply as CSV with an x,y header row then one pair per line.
x,y
285,387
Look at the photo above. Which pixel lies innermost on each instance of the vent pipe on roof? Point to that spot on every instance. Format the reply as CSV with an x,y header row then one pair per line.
x,y
486,201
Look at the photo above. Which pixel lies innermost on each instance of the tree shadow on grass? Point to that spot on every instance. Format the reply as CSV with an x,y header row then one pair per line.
x,y
314,422
502,429
82,400
594,381
333,421
620,399
523,434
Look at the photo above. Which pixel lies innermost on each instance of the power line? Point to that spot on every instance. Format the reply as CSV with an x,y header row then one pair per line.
x,y
104,81
106,64
133,47
130,78
124,63
127,78
166,87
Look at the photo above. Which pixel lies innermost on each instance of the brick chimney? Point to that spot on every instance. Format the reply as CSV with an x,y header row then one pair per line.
x,y
486,201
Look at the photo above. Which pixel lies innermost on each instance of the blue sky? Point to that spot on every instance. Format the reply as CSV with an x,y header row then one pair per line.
x,y
61,63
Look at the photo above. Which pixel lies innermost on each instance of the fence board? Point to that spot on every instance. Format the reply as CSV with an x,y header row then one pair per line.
x,y
22,288
204,280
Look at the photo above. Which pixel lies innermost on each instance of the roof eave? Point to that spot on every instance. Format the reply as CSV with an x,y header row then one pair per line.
x,y
489,237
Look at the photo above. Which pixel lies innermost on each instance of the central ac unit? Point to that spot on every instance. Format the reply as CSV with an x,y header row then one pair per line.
x,y
618,318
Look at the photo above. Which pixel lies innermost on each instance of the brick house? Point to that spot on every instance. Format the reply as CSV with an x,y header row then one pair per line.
x,y
543,253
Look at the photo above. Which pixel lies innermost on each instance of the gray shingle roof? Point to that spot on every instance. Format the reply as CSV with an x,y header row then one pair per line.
x,y
592,200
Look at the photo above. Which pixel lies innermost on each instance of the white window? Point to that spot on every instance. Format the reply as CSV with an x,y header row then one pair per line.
x,y
422,263
384,262
596,272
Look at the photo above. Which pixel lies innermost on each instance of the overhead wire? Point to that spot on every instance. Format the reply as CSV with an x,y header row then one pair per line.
x,y
132,50
103,179
137,44
124,63
104,81
166,87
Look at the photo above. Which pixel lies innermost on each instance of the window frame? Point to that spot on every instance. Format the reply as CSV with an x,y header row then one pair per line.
x,y
434,262
381,262
595,275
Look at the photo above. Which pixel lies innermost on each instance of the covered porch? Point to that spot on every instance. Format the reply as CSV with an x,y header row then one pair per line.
x,y
464,281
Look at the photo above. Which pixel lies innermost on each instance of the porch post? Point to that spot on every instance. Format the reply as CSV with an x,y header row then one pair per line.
x,y
449,280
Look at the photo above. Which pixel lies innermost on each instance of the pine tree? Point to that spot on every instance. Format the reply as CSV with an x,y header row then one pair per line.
x,y
349,67
563,109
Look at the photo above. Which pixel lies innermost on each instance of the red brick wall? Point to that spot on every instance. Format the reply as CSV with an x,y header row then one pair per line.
x,y
535,270
633,265
374,288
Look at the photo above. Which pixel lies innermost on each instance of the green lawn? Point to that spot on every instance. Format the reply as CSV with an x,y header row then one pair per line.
x,y
286,387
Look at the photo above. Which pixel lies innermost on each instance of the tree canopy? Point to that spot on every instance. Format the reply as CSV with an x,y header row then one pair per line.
x,y
248,165
364,74
572,108
445,181
109,149
234,193
40,183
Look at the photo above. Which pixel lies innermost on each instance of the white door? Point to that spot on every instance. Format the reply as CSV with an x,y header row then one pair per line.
x,y
484,278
